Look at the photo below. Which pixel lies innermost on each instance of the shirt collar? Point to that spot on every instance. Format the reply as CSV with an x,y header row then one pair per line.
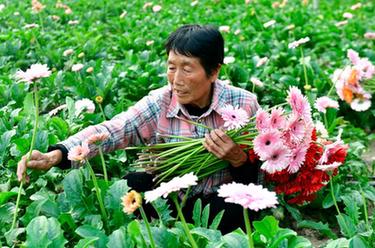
x,y
216,102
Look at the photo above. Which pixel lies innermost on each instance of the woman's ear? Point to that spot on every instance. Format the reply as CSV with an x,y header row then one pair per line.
x,y
215,73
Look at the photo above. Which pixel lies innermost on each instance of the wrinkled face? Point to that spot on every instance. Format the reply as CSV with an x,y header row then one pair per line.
x,y
189,81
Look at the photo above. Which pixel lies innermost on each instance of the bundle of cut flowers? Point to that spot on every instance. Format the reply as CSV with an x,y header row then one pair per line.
x,y
355,83
284,140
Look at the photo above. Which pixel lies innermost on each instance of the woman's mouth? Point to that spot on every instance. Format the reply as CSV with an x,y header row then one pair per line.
x,y
180,92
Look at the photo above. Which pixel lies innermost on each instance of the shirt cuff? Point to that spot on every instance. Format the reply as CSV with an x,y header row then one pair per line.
x,y
246,173
64,163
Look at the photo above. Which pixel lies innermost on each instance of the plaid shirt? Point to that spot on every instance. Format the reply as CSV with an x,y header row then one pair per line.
x,y
159,112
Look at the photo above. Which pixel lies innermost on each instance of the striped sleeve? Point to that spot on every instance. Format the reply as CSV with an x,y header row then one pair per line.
x,y
135,126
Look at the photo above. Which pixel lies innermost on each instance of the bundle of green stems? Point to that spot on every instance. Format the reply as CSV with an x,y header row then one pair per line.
x,y
168,160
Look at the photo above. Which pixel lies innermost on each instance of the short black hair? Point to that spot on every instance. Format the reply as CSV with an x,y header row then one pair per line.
x,y
204,42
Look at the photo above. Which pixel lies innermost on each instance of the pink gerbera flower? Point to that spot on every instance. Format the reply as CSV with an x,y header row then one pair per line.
x,y
278,159
277,119
331,149
234,117
262,120
174,185
299,103
35,72
328,167
324,102
79,153
296,129
251,196
265,141
297,158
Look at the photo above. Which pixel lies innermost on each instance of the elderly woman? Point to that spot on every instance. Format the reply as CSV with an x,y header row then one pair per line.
x,y
195,55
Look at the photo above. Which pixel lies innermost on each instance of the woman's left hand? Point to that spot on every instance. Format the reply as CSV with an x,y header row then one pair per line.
x,y
222,146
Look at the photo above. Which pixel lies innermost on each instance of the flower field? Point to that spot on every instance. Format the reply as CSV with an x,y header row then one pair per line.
x,y
66,65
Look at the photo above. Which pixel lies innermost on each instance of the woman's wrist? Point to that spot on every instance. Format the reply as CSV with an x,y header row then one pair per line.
x,y
241,160
55,157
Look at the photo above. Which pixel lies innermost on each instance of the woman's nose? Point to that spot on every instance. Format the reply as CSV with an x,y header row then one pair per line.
x,y
178,77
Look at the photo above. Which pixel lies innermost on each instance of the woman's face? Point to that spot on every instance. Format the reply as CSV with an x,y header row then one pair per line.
x,y
189,81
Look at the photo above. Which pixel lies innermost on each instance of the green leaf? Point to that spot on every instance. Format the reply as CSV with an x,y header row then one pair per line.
x,y
328,200
87,231
268,226
299,242
351,208
197,212
209,235
28,105
41,141
205,215
118,239
322,228
162,208
358,242
135,234
43,232
4,143
163,237
61,127
71,109
114,194
216,221
347,226
86,242
5,196
67,220
73,188
280,236
12,235
338,243
296,214
235,240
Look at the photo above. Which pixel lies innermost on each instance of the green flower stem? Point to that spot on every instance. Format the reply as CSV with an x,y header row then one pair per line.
x,y
41,21
184,225
333,196
325,120
330,90
33,138
144,217
248,227
304,67
365,208
169,171
102,112
103,164
17,205
335,203
98,195
175,137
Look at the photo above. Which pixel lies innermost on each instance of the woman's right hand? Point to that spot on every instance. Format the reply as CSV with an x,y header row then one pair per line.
x,y
38,161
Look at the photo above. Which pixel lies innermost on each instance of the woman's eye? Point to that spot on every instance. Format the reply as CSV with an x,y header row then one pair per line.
x,y
171,68
188,70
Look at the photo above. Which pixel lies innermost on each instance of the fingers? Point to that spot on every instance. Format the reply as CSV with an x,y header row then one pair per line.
x,y
36,162
214,144
21,168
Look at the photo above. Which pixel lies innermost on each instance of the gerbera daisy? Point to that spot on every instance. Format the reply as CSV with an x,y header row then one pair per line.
x,y
297,158
234,117
265,140
277,119
262,120
278,159
251,196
